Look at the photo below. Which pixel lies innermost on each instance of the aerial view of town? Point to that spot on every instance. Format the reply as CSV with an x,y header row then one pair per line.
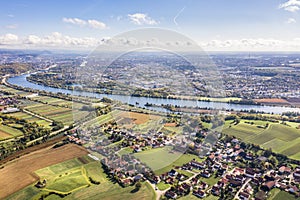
x,y
140,100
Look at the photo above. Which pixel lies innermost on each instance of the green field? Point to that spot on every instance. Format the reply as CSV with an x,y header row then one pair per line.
x,y
280,138
158,158
30,118
162,160
11,90
9,132
103,118
284,195
68,182
72,176
277,194
65,115
193,197
110,191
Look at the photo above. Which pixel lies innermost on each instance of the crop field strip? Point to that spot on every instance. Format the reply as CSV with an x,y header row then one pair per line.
x,y
30,118
56,113
12,90
7,132
103,118
280,138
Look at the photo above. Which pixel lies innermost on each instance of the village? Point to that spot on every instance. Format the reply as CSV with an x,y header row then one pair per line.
x,y
230,168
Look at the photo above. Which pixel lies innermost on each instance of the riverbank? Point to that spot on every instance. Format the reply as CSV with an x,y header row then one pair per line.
x,y
21,81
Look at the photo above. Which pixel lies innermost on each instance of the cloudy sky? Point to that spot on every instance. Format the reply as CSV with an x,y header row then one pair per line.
x,y
216,25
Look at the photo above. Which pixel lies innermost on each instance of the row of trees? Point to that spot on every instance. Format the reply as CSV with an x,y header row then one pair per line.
x,y
30,132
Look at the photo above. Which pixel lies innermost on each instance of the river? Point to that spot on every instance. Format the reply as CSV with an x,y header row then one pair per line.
x,y
21,81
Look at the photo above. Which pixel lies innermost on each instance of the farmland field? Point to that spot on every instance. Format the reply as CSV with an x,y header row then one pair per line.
x,y
30,118
10,181
103,119
8,132
69,181
14,91
63,180
138,118
280,138
56,113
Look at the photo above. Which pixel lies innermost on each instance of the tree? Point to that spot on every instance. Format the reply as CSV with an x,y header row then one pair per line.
x,y
138,185
267,153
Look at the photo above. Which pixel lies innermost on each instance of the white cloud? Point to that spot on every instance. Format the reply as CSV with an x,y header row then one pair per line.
x,y
32,39
291,21
290,5
96,24
12,26
252,44
90,23
142,19
8,39
57,40
74,21
10,15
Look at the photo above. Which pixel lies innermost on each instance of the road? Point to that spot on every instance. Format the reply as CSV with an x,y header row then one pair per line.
x,y
241,189
51,134
36,115
159,193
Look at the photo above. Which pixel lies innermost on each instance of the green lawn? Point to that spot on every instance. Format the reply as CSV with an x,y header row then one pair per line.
x,y
185,158
193,197
126,150
161,160
211,180
163,186
189,174
277,194
158,158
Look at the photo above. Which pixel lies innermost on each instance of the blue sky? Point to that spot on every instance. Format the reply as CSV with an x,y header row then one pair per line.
x,y
214,24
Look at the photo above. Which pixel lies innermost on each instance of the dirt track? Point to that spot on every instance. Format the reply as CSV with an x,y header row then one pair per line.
x,y
19,173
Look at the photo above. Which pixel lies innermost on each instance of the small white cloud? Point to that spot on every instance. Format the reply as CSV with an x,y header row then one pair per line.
x,y
141,19
10,15
91,22
290,5
74,21
8,39
12,26
292,8
96,24
291,21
